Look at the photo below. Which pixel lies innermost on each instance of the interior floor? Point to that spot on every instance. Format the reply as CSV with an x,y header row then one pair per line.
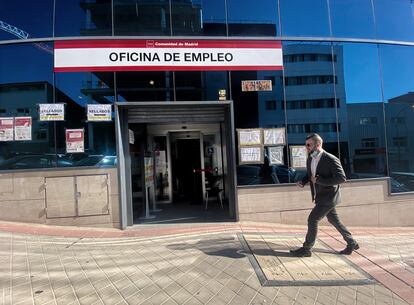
x,y
187,212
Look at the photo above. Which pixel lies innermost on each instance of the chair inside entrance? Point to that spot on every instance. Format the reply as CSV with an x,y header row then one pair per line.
x,y
213,188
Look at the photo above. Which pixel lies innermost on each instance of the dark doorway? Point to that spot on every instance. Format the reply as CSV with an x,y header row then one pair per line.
x,y
186,171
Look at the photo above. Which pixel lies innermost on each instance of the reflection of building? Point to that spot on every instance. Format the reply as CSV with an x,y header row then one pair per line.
x,y
399,116
366,138
310,95
22,96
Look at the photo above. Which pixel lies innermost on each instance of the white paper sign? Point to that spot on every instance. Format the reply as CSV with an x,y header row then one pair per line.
x,y
298,156
75,141
97,112
275,154
274,136
51,112
149,171
250,137
131,136
6,129
23,128
251,155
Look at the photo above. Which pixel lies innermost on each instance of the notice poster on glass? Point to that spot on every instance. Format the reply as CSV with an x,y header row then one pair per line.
x,y
75,141
23,128
6,129
274,136
99,113
275,154
298,156
148,171
249,136
251,155
256,85
51,112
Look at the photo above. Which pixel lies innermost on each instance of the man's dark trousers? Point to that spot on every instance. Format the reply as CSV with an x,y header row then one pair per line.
x,y
319,212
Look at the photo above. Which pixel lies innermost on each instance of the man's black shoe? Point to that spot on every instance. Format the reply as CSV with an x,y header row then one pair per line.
x,y
350,248
301,252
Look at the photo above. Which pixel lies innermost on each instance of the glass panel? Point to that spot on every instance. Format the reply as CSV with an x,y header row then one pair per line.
x,y
83,18
198,17
246,18
362,136
25,81
304,18
352,19
397,63
20,19
310,94
251,111
77,90
161,163
144,86
142,17
200,86
394,19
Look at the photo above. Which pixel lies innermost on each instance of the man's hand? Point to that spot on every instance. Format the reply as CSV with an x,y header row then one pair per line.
x,y
300,184
314,179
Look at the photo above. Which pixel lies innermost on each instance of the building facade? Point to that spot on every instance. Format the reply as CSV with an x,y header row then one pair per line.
x,y
173,138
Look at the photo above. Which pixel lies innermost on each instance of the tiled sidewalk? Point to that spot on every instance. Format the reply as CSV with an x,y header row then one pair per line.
x,y
185,264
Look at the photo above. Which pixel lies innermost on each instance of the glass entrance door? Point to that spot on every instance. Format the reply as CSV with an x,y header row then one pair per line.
x,y
162,172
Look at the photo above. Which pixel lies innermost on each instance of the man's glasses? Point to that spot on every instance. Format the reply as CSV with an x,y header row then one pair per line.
x,y
308,145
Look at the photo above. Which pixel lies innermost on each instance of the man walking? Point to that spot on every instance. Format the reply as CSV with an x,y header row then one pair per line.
x,y
324,173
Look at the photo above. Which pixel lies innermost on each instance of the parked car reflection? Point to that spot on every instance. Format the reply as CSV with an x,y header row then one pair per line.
x,y
97,160
35,161
248,175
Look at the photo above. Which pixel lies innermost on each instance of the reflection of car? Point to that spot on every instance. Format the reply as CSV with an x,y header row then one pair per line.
x,y
97,160
404,178
34,161
283,174
397,187
248,175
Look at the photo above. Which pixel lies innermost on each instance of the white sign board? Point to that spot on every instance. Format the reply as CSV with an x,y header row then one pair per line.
x,y
167,55
249,136
274,136
275,154
99,113
251,155
131,136
6,129
23,128
298,156
75,141
51,112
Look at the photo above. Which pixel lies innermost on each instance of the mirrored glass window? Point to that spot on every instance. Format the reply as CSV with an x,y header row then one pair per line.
x,y
23,19
399,114
198,17
247,18
142,18
83,142
362,140
352,19
394,19
311,100
25,81
304,18
83,18
144,86
258,99
200,86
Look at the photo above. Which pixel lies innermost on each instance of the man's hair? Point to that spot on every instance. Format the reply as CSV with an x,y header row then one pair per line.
x,y
315,137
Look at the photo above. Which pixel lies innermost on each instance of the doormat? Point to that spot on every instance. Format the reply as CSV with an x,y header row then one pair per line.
x,y
274,266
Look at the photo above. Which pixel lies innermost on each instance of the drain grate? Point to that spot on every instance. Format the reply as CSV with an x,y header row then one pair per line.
x,y
274,266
